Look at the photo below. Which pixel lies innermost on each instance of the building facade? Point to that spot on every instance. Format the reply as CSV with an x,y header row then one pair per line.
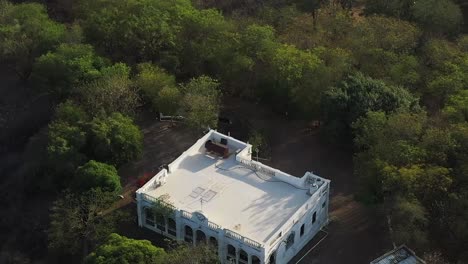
x,y
251,213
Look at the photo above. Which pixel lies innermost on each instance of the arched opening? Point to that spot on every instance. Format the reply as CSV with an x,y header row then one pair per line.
x,y
243,257
314,217
302,230
214,244
231,253
160,222
149,216
171,227
290,240
255,260
201,237
272,258
188,234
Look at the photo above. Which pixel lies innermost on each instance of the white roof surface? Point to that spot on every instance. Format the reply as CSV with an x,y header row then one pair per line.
x,y
234,197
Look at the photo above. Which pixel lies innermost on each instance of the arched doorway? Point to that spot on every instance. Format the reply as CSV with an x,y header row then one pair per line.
x,y
171,227
243,257
201,237
214,244
188,234
255,260
231,253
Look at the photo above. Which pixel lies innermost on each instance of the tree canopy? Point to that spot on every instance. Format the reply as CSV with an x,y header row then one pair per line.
x,y
27,32
201,102
122,250
115,139
358,94
79,220
62,71
95,174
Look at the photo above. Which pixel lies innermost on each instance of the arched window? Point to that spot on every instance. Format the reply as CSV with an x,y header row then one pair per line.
x,y
188,234
149,216
255,260
201,237
290,240
272,258
160,222
231,253
214,244
314,217
302,230
243,257
171,227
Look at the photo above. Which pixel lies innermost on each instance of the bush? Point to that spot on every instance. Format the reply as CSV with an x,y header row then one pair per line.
x,y
94,174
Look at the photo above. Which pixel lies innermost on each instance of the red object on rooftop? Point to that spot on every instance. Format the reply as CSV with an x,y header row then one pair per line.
x,y
219,149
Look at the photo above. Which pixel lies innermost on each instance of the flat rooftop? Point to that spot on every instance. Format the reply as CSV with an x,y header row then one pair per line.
x,y
230,194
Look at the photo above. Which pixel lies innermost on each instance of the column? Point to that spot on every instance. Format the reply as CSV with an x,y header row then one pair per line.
x,y
139,209
179,225
222,251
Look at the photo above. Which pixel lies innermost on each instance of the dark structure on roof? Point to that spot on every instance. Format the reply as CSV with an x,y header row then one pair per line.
x,y
400,255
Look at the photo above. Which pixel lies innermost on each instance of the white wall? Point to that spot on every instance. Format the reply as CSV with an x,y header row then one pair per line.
x,y
302,216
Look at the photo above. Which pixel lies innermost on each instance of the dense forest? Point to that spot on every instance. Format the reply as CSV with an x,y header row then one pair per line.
x,y
388,80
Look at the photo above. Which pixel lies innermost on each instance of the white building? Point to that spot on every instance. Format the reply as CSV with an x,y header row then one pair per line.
x,y
250,212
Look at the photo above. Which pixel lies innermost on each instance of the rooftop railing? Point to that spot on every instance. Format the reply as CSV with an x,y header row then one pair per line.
x,y
213,226
186,215
229,233
248,241
158,200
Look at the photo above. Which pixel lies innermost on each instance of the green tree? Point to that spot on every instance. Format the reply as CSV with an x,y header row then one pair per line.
x,y
395,8
200,254
71,113
65,145
115,139
258,141
439,16
78,221
94,174
151,80
26,32
146,30
67,136
200,104
258,42
61,72
456,109
169,100
213,46
446,70
384,145
113,92
296,76
409,223
385,33
357,95
119,249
